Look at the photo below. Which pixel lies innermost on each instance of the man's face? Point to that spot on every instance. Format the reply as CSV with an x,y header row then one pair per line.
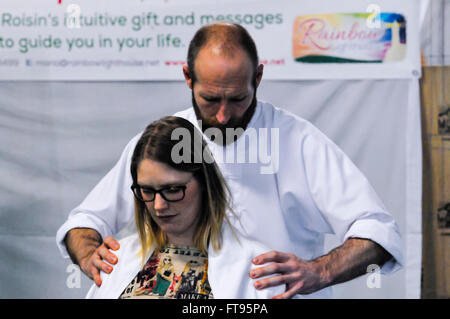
x,y
234,122
224,93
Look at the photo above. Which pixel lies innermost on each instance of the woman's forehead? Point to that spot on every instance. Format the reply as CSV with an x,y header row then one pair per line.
x,y
154,173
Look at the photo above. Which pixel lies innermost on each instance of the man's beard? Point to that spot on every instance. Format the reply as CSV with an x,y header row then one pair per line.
x,y
238,125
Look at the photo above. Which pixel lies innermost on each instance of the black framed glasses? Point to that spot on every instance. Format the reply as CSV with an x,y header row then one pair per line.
x,y
170,193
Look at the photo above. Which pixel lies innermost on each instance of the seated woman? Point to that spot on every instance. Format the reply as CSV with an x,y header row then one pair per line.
x,y
181,206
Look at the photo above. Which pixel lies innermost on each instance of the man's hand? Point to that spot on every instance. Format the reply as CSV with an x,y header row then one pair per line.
x,y
298,275
94,262
87,250
343,263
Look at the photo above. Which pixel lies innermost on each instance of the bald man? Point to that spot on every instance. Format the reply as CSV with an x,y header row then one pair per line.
x,y
313,189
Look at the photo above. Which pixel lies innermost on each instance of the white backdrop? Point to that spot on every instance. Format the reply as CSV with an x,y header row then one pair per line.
x,y
59,138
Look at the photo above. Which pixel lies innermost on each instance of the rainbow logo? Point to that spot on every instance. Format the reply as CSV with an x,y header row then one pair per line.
x,y
349,38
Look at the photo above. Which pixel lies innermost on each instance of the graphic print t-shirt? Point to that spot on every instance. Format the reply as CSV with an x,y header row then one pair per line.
x,y
174,272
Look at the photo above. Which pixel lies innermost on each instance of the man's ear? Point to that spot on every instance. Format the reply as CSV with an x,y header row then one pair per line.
x,y
259,74
187,76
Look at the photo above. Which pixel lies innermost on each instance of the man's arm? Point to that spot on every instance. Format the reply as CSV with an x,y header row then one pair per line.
x,y
87,249
351,260
343,263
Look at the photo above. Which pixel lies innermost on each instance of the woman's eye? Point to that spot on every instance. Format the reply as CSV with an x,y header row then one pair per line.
x,y
173,190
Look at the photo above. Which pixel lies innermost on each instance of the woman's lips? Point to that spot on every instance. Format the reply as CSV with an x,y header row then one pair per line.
x,y
166,218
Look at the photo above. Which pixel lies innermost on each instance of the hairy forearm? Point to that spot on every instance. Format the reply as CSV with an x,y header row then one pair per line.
x,y
81,242
350,260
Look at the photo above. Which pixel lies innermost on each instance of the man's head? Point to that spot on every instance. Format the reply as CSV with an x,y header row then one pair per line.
x,y
223,74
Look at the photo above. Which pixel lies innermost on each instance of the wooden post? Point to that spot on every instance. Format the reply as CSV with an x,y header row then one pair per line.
x,y
435,108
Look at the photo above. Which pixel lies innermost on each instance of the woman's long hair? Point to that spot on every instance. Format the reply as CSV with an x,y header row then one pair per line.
x,y
159,142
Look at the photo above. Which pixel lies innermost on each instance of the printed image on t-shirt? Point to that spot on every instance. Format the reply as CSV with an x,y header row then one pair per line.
x,y
174,272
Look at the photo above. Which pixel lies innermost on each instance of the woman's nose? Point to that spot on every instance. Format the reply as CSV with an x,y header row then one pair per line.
x,y
160,203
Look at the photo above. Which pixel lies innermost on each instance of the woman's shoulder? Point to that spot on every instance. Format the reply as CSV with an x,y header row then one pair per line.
x,y
127,245
130,241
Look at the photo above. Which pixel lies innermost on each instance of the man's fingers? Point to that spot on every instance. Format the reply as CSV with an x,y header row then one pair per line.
x,y
270,282
96,276
111,243
105,254
289,293
271,256
275,268
275,281
101,265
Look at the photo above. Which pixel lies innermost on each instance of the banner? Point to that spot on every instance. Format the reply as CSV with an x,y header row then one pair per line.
x,y
148,40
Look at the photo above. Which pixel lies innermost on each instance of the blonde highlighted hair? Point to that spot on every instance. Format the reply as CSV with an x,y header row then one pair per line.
x,y
157,143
